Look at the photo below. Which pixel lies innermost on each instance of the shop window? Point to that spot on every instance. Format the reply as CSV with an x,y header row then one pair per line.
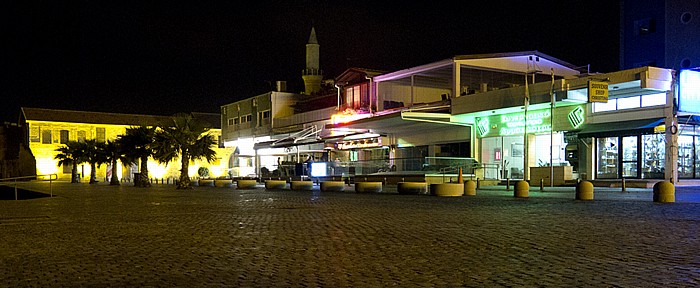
x,y
653,156
64,136
686,156
607,157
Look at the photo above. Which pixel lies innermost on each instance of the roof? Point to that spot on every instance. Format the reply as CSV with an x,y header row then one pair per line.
x,y
212,118
54,115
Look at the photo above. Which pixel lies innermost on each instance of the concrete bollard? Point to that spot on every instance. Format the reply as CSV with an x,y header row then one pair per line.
x,y
584,190
522,189
470,188
301,185
447,189
507,183
368,187
664,192
541,184
624,185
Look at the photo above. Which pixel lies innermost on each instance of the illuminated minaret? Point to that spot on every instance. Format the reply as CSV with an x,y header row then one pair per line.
x,y
312,75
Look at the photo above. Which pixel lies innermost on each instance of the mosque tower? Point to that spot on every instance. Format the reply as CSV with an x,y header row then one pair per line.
x,y
312,75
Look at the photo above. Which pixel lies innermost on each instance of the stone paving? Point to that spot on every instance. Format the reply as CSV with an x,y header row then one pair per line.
x,y
122,236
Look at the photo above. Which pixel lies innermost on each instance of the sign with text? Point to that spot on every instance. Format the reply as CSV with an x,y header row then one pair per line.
x,y
597,91
689,91
538,122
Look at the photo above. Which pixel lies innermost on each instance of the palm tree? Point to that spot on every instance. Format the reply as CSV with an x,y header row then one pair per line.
x,y
71,154
95,155
114,153
185,137
136,144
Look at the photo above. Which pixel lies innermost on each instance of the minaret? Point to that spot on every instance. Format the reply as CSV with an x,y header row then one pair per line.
x,y
312,75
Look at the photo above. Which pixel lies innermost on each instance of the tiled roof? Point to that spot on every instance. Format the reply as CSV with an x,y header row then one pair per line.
x,y
41,114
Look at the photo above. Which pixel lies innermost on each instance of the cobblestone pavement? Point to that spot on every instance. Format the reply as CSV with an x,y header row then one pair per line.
x,y
122,236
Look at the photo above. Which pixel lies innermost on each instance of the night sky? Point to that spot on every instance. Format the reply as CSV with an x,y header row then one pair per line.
x,y
164,57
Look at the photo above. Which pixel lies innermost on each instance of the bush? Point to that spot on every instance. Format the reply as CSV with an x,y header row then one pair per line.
x,y
203,172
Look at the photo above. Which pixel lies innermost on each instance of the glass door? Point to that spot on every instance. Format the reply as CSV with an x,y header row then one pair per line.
x,y
607,157
685,156
630,157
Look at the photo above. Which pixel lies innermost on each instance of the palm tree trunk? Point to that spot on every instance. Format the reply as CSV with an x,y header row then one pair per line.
x,y
184,182
115,179
143,179
93,173
74,173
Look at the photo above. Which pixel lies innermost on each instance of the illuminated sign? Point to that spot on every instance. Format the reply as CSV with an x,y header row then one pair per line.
x,y
597,92
689,91
576,117
538,121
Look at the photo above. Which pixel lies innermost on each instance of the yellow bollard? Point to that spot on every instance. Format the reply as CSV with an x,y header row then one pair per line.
x,y
522,189
470,188
664,192
459,178
584,190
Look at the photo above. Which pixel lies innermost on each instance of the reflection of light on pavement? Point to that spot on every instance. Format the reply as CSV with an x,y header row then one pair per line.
x,y
315,195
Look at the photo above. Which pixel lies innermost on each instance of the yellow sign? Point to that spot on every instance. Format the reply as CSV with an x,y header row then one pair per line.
x,y
597,92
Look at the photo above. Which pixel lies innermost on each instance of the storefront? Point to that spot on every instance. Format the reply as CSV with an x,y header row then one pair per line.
x,y
502,141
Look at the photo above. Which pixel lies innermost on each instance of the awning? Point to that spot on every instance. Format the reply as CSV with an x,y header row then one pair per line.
x,y
621,128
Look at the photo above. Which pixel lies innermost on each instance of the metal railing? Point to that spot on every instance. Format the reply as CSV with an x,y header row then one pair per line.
x,y
51,178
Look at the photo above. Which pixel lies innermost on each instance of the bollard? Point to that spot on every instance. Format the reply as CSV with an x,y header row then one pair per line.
x,y
664,192
470,188
584,190
541,184
624,186
522,189
507,183
478,184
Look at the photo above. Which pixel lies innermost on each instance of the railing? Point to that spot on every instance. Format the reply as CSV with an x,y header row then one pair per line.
x,y
51,178
422,165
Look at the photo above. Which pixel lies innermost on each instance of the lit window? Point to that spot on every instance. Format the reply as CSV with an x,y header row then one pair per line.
x,y
654,100
628,102
46,137
100,134
611,105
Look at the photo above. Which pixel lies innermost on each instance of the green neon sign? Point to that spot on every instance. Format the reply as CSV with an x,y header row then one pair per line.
x,y
538,121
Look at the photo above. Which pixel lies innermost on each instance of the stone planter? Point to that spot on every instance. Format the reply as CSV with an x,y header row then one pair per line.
x,y
335,186
275,184
368,187
246,184
223,183
447,189
302,185
412,188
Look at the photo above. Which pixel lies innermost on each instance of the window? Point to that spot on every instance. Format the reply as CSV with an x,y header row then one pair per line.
x,y
264,117
81,136
246,118
628,103
602,107
231,122
34,134
654,100
64,136
46,137
100,134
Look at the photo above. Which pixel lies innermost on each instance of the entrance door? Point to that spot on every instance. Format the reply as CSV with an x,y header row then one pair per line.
x,y
630,159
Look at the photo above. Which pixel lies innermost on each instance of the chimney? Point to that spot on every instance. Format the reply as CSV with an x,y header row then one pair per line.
x,y
281,86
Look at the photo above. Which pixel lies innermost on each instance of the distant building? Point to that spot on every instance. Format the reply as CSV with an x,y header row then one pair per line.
x,y
661,33
16,160
48,129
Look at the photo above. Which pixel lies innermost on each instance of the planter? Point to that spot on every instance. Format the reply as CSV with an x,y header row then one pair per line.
x,y
302,185
206,182
275,184
447,189
224,183
335,186
246,184
412,188
368,187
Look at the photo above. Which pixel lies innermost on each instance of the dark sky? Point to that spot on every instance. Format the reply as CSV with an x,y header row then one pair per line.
x,y
163,57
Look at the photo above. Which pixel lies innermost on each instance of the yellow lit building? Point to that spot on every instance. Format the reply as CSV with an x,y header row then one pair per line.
x,y
49,129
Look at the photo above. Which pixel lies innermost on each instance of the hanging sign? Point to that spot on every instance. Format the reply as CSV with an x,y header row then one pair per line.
x,y
597,91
